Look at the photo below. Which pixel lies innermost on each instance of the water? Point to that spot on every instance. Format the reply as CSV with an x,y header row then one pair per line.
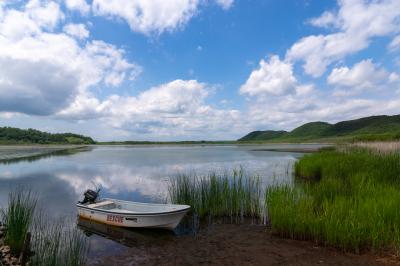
x,y
137,173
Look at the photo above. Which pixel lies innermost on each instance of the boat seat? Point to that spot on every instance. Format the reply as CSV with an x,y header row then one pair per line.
x,y
106,205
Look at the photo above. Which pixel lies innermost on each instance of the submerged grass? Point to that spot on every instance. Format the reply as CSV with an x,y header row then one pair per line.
x,y
219,196
347,198
56,244
18,217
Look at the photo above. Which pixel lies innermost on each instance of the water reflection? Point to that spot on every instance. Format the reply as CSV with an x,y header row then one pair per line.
x,y
128,237
55,196
142,173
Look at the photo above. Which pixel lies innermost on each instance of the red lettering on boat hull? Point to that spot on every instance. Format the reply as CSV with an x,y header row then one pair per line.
x,y
115,218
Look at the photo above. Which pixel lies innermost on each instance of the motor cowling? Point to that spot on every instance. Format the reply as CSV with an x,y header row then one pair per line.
x,y
90,196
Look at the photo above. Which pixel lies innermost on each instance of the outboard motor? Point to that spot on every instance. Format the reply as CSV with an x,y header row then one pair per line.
x,y
90,196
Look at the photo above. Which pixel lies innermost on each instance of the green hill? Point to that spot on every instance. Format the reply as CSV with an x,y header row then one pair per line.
x,y
264,135
10,135
367,125
381,127
309,130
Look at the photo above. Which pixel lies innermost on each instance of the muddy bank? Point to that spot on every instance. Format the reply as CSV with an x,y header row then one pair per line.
x,y
236,245
5,253
14,153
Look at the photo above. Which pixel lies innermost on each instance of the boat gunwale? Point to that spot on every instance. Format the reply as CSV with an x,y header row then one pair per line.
x,y
186,209
144,203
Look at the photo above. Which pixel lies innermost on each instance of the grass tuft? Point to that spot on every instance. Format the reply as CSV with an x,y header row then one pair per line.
x,y
18,218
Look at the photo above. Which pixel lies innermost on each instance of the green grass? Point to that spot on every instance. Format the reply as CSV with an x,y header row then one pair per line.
x,y
52,242
348,199
219,196
18,217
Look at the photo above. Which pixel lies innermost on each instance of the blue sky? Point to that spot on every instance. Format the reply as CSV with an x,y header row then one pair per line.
x,y
195,69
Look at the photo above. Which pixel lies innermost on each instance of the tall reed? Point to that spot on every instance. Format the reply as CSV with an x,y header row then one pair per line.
x,y
347,198
236,196
380,146
54,243
18,218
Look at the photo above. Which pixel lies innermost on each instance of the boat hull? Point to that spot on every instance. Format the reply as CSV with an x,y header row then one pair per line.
x,y
168,220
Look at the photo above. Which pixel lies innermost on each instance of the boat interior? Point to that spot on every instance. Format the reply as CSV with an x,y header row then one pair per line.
x,y
135,207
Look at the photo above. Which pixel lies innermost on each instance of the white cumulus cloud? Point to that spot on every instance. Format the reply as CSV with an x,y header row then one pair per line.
x,y
47,70
78,5
76,30
354,25
273,77
148,17
155,16
177,108
364,75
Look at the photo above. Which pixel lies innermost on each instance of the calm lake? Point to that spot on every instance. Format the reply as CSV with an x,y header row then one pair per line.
x,y
137,173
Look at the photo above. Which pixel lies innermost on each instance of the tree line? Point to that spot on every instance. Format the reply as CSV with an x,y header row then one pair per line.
x,y
10,135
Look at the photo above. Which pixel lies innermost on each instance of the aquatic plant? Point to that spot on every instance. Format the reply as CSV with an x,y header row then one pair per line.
x,y
56,244
235,197
18,218
77,248
52,242
346,198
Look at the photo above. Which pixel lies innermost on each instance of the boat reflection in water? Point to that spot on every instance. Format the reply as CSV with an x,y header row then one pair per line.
x,y
130,237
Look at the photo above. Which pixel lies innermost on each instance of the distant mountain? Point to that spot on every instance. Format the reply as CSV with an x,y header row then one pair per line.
x,y
10,135
381,127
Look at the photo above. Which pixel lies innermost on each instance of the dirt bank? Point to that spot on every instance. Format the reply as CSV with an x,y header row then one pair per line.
x,y
237,245
5,254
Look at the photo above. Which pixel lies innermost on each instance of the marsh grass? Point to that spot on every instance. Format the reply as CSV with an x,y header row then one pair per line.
x,y
18,217
56,244
219,196
348,199
380,146
52,242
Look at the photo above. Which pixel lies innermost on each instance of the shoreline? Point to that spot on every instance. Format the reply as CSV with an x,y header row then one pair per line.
x,y
239,143
255,144
17,152
233,244
9,153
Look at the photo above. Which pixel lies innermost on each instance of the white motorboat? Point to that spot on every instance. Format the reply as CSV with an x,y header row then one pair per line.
x,y
132,214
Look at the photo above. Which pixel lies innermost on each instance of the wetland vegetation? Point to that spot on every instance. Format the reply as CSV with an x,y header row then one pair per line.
x,y
234,196
31,236
18,217
347,198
